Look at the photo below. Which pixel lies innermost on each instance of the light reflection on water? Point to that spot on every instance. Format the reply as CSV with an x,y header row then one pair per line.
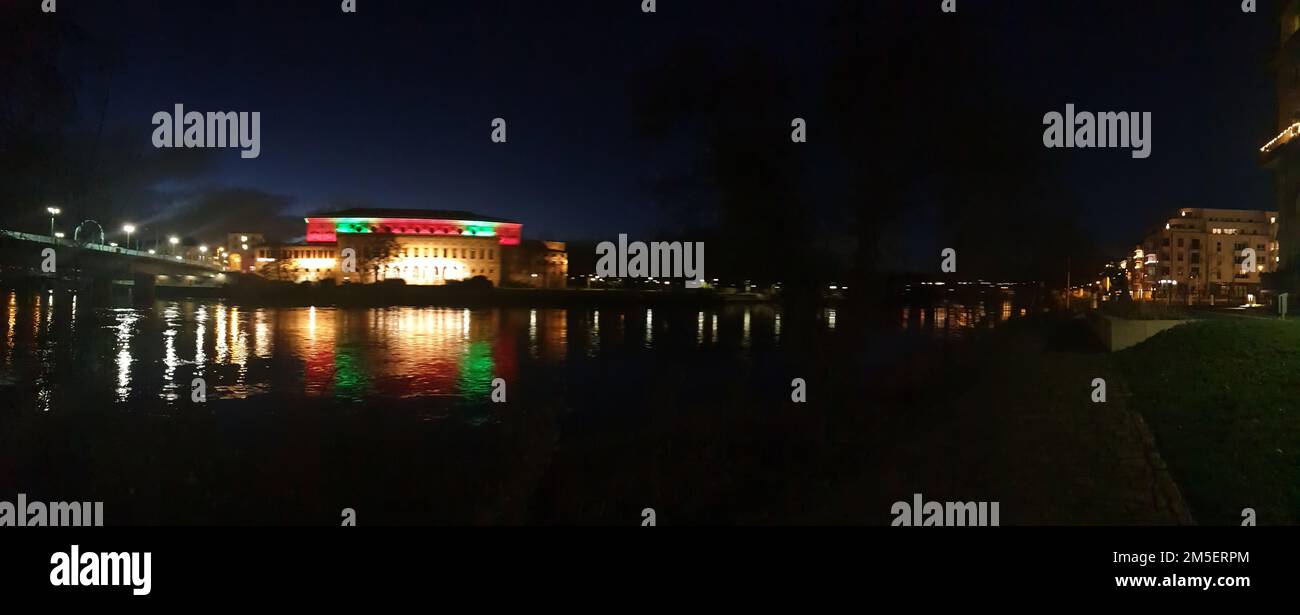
x,y
948,319
356,354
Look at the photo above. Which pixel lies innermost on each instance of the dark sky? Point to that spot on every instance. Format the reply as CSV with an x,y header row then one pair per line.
x,y
391,106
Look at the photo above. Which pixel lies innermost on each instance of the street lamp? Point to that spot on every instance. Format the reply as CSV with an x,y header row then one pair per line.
x,y
203,250
128,228
173,240
53,211
58,235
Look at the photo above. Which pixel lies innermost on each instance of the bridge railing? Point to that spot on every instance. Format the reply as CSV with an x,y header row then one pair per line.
x,y
46,239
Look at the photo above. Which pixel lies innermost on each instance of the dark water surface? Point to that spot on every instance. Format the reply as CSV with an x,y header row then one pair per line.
x,y
389,410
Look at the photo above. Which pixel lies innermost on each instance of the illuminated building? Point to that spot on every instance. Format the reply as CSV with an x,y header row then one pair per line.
x,y
419,247
537,264
1281,153
238,253
1202,251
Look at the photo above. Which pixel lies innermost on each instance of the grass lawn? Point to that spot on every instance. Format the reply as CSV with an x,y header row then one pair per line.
x,y
1223,399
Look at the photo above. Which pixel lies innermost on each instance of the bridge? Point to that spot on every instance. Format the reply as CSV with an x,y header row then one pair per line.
x,y
94,267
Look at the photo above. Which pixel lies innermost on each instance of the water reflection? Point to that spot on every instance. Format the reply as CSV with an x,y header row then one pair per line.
x,y
649,327
744,335
125,330
350,355
948,319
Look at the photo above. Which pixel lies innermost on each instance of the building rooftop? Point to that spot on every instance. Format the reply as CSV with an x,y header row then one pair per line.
x,y
410,214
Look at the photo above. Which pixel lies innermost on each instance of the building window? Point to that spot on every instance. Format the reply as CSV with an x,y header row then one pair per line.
x,y
1180,242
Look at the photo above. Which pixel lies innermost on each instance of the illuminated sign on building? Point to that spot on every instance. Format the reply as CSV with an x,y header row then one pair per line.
x,y
327,229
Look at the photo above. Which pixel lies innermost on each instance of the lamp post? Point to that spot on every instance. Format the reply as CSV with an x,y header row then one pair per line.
x,y
53,211
128,229
173,240
203,250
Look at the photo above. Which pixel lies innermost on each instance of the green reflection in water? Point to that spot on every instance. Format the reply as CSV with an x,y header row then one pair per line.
x,y
476,371
350,381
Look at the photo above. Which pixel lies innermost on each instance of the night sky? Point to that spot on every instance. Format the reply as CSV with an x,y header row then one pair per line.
x,y
391,106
